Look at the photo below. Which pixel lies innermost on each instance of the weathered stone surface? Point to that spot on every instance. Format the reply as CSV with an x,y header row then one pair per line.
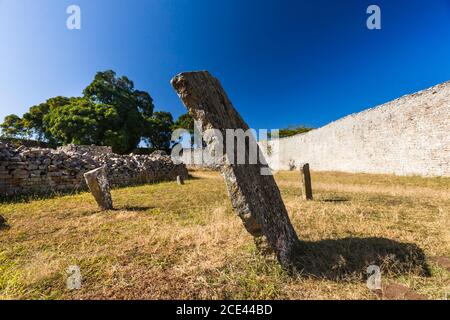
x,y
196,158
407,136
32,170
92,150
98,184
305,183
255,197
180,180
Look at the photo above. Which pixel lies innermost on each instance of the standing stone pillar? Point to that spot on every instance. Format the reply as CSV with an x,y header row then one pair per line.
x,y
255,197
98,184
305,177
180,180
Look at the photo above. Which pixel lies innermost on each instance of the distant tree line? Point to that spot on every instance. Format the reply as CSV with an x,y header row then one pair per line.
x,y
111,112
293,130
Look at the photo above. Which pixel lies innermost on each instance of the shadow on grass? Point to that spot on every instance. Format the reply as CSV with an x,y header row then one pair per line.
x,y
126,208
349,258
135,208
43,195
3,224
335,199
25,198
191,177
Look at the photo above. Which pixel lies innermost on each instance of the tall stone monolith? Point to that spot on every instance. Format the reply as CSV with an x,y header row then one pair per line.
x,y
254,196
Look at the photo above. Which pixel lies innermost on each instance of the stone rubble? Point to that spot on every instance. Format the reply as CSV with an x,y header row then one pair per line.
x,y
36,170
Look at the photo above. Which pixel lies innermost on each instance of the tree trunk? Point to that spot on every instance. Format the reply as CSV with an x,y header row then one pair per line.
x,y
254,196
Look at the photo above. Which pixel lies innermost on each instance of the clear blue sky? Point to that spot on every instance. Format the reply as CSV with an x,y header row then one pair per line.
x,y
281,62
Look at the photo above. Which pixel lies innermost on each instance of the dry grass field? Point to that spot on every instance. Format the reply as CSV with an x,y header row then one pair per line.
x,y
166,241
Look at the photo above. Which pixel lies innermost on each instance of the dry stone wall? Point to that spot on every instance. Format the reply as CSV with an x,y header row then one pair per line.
x,y
408,136
92,150
197,158
36,170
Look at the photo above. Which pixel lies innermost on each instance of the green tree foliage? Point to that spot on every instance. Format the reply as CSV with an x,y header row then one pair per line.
x,y
293,130
159,131
185,121
110,112
34,120
12,127
84,122
133,107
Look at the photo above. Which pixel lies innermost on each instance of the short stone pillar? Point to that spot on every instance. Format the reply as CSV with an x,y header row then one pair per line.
x,y
98,184
305,183
180,180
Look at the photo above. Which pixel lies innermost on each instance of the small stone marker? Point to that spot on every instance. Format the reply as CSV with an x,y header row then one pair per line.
x,y
180,180
305,177
255,197
98,184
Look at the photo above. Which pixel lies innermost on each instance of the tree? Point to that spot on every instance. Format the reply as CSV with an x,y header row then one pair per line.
x,y
84,122
133,107
33,120
12,127
110,112
159,131
185,121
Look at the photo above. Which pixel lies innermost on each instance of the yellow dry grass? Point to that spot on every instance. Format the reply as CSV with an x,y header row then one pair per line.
x,y
166,241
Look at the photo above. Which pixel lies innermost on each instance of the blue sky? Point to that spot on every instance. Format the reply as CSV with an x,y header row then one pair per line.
x,y
281,62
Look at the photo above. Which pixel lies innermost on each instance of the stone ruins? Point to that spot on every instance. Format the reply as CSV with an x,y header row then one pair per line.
x,y
407,136
255,197
35,170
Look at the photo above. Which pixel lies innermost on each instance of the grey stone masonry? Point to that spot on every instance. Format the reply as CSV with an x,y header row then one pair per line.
x,y
407,136
35,170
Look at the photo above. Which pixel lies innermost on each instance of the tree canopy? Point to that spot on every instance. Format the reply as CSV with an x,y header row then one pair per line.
x,y
159,130
12,126
185,121
110,112
293,130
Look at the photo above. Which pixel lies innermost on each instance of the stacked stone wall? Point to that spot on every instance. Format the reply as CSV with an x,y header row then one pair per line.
x,y
408,136
35,170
